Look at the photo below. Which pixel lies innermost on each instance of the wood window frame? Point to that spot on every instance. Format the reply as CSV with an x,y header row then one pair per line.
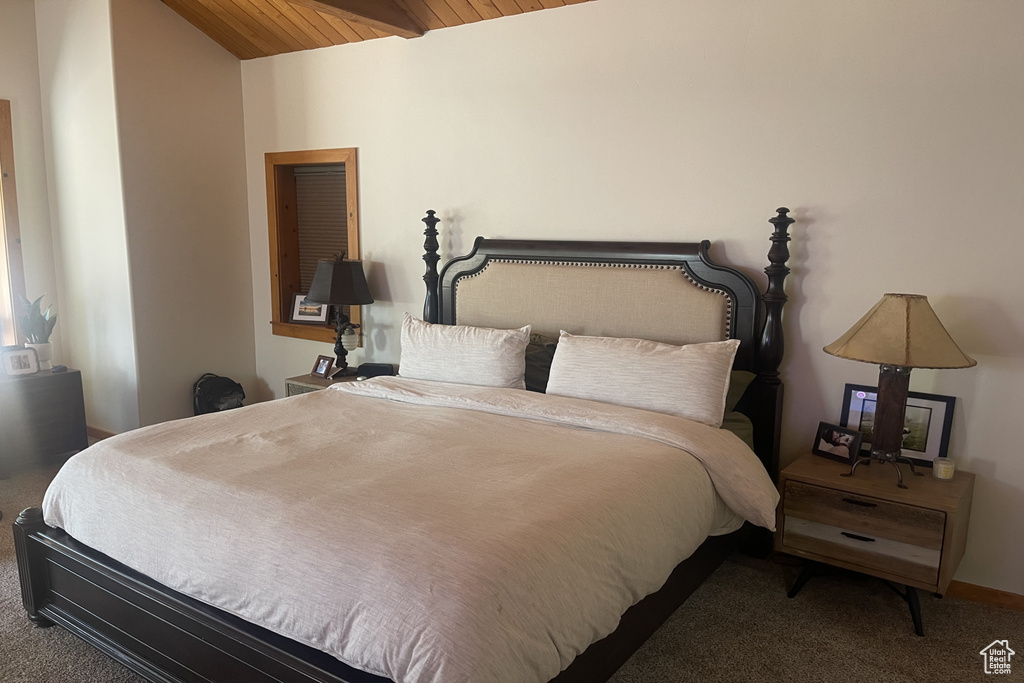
x,y
10,230
282,219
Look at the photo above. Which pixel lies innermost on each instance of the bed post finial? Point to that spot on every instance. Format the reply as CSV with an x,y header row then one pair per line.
x,y
772,341
430,247
768,388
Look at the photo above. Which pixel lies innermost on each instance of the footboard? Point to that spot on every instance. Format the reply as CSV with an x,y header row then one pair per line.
x,y
168,637
160,634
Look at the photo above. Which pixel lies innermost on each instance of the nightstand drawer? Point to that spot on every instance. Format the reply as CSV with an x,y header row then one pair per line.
x,y
914,562
296,389
863,515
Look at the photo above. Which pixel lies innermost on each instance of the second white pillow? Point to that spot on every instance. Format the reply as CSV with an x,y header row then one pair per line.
x,y
688,381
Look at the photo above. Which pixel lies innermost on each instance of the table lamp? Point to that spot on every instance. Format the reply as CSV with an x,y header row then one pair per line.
x,y
900,333
341,283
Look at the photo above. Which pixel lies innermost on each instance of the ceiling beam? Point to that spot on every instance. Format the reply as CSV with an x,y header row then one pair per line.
x,y
382,15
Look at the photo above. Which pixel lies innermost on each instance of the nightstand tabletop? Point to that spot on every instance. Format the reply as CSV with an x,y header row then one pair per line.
x,y
303,384
879,480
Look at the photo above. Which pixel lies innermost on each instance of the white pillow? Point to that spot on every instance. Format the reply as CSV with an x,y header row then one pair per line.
x,y
688,381
464,354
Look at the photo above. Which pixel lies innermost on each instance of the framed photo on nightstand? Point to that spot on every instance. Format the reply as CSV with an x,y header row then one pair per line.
x,y
926,427
836,443
20,361
322,367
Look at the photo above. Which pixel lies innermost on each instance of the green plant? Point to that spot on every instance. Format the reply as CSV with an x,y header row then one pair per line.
x,y
35,325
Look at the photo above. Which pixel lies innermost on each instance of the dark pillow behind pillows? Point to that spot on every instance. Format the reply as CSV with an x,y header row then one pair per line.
x,y
739,380
539,353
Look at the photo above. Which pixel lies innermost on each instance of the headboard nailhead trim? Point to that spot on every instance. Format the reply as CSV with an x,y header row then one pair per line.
x,y
598,264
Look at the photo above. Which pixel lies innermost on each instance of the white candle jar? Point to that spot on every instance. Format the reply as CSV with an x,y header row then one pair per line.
x,y
943,468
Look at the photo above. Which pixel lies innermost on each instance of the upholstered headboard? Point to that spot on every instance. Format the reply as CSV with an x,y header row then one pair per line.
x,y
658,302
667,292
599,288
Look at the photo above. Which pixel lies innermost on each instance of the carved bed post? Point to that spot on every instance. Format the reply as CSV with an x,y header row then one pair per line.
x,y
430,247
767,390
772,341
772,345
31,570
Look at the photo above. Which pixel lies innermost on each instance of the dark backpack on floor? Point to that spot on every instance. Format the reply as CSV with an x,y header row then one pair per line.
x,y
213,393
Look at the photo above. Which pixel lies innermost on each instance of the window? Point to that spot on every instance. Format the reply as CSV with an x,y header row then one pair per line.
x,y
312,212
12,273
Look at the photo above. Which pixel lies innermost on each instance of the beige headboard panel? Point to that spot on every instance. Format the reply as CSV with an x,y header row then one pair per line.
x,y
659,303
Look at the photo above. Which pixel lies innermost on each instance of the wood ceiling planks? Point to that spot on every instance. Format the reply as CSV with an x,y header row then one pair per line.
x,y
378,15
259,28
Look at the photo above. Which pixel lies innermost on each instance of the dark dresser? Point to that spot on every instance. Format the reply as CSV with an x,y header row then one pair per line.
x,y
42,419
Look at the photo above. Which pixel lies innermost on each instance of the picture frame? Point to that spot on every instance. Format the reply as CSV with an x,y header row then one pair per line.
x,y
322,367
307,313
927,426
20,361
836,442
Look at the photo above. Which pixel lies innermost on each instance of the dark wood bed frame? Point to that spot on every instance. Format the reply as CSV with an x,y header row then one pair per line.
x,y
168,637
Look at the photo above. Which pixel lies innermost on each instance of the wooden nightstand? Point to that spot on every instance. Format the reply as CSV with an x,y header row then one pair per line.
x,y
914,536
42,419
303,384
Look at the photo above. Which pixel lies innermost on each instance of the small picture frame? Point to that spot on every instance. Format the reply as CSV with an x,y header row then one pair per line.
x,y
836,442
307,312
322,367
926,427
20,361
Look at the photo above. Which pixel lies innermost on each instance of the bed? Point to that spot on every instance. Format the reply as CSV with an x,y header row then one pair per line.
x,y
593,289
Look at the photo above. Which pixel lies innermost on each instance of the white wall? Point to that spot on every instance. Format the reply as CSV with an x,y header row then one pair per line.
x,y
86,205
892,129
183,159
19,83
143,126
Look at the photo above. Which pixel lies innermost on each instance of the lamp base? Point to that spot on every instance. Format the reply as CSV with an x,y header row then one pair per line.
x,y
893,459
340,352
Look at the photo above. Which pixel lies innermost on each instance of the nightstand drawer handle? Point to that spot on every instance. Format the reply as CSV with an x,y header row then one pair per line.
x,y
862,503
857,538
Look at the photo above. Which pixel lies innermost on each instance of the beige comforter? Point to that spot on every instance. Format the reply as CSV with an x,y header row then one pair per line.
x,y
421,531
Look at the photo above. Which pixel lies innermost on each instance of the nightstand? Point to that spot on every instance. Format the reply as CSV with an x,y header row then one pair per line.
x,y
914,536
303,384
42,419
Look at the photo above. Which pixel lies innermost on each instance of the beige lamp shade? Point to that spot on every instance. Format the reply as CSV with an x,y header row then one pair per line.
x,y
903,330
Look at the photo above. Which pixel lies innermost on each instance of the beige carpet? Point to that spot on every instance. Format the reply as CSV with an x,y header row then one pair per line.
x,y
39,655
738,627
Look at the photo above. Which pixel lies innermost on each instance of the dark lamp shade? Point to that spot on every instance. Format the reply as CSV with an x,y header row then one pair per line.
x,y
902,330
340,283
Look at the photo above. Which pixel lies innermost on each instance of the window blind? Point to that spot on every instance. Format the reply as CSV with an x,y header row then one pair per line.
x,y
321,206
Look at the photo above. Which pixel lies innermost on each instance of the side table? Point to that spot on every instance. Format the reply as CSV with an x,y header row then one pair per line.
x,y
914,536
42,417
303,384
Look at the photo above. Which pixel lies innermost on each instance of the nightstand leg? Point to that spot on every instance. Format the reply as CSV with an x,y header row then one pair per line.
x,y
915,610
805,575
909,595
